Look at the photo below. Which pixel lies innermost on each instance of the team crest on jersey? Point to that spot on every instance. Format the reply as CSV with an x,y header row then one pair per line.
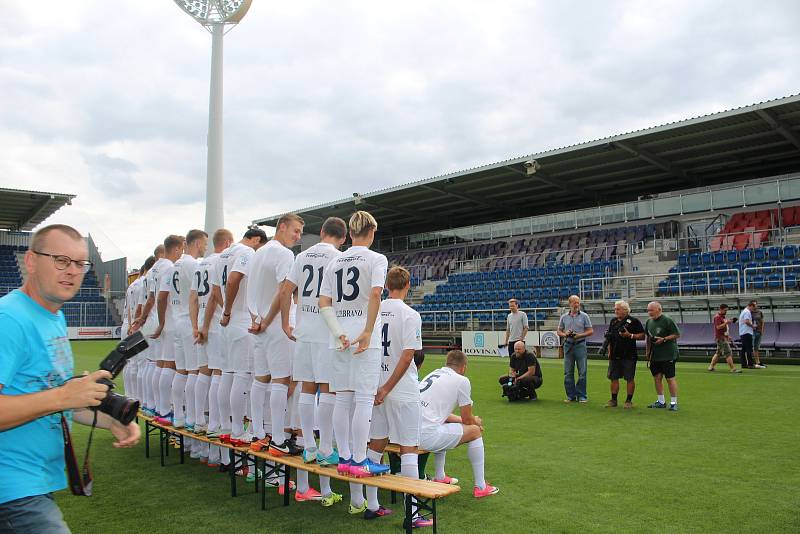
x,y
419,334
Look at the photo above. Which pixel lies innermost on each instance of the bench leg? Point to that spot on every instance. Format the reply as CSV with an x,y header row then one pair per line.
x,y
409,513
161,439
232,471
180,439
287,471
147,430
424,508
263,484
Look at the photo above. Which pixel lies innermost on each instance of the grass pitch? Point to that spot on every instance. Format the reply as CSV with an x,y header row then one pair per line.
x,y
727,462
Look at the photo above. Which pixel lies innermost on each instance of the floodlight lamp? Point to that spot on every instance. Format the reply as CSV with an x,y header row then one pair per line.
x,y
209,12
531,166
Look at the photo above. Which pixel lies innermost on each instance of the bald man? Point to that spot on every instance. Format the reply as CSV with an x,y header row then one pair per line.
x,y
524,374
662,353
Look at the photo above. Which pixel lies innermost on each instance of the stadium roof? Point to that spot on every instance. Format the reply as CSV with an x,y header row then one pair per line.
x,y
739,144
25,210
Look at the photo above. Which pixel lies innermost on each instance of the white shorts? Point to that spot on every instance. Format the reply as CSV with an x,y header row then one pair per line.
x,y
189,350
312,362
442,437
239,344
360,373
397,420
212,349
260,363
166,347
123,331
153,351
280,353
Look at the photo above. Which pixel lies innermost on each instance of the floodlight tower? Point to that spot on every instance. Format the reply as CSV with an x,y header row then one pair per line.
x,y
218,17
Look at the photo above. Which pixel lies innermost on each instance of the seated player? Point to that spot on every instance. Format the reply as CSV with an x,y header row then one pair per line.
x,y
440,430
397,410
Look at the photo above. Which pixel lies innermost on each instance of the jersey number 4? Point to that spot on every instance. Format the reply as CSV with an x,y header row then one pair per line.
x,y
386,343
352,281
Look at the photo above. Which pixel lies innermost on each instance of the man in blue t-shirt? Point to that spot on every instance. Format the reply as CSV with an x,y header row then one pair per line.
x,y
35,386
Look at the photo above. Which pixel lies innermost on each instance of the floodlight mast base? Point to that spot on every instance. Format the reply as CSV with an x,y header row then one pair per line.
x,y
215,216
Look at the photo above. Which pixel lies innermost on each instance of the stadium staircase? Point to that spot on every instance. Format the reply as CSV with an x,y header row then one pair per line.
x,y
87,308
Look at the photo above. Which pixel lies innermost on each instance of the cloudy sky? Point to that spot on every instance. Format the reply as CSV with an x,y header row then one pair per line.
x,y
109,99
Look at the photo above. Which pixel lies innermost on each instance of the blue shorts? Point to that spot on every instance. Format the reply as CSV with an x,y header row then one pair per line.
x,y
32,515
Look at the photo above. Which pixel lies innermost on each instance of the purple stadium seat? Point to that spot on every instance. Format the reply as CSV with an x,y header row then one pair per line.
x,y
788,335
696,335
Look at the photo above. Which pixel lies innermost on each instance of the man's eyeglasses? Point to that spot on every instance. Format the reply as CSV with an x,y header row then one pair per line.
x,y
62,262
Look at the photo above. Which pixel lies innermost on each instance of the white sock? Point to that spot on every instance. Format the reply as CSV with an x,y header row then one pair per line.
x,y
201,399
661,399
224,401
188,395
341,423
372,491
178,401
267,410
302,480
324,419
213,403
356,494
409,467
239,391
475,455
439,459
325,485
278,399
673,400
306,408
362,418
165,390
258,397
155,391
147,386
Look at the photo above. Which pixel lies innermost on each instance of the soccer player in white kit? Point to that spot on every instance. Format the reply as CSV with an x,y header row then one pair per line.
x,y
349,302
185,354
161,380
141,361
205,311
165,331
396,415
272,354
131,369
231,283
441,430
147,325
312,355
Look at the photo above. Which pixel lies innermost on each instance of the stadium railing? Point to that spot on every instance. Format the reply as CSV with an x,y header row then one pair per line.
x,y
680,284
424,492
478,319
778,277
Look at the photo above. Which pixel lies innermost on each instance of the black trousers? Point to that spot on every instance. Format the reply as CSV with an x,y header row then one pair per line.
x,y
528,385
746,356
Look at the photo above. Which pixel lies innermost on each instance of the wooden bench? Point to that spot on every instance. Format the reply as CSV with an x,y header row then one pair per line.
x,y
424,492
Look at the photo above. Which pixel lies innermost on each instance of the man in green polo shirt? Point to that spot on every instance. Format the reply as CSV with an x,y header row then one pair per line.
x,y
662,352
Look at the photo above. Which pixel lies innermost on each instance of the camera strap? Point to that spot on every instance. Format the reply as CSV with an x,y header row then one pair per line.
x,y
80,480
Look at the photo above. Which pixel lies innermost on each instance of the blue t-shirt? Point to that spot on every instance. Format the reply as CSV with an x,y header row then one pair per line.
x,y
35,355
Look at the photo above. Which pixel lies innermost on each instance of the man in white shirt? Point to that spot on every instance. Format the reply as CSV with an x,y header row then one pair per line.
x,y
147,326
746,335
185,353
272,355
396,415
163,337
230,286
204,314
312,355
441,430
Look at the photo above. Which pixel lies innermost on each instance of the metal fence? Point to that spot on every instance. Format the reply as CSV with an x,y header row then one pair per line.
x,y
646,285
90,307
453,320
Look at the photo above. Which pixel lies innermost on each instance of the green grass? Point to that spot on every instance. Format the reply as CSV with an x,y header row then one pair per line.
x,y
727,462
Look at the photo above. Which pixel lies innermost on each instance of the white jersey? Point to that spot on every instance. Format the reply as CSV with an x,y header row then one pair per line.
x,y
201,283
401,330
269,267
235,258
131,298
440,392
180,283
160,282
348,281
306,274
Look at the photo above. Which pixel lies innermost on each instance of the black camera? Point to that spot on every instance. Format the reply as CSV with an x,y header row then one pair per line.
x,y
119,406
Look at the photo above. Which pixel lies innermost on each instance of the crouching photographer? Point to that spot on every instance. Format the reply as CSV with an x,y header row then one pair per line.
x,y
524,375
38,398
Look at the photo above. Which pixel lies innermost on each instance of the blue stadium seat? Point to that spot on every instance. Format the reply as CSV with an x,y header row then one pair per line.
x,y
760,254
774,253
789,252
